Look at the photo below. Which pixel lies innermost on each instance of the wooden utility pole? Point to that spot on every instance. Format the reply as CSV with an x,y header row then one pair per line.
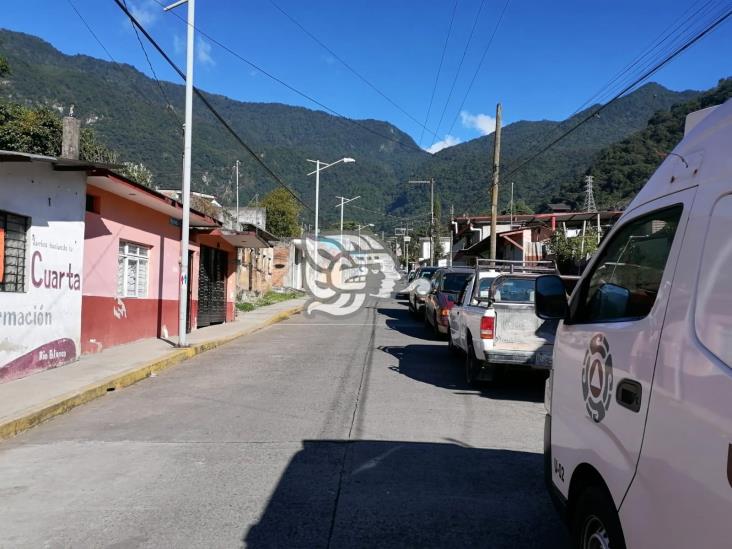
x,y
494,186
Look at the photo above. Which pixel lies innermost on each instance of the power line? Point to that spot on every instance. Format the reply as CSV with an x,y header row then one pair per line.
x,y
437,77
630,86
457,73
480,64
657,42
169,105
348,66
210,107
90,30
338,115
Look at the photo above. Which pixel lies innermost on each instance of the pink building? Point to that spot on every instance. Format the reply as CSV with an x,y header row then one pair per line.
x,y
132,265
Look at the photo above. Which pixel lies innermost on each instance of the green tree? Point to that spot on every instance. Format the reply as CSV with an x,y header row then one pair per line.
x,y
521,207
570,252
4,67
138,173
39,131
283,213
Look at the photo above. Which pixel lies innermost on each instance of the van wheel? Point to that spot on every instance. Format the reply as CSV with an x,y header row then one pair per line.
x,y
471,366
595,524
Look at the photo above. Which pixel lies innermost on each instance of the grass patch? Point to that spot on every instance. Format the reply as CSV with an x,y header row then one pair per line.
x,y
270,298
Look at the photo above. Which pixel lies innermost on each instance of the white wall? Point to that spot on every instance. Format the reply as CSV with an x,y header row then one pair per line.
x,y
41,327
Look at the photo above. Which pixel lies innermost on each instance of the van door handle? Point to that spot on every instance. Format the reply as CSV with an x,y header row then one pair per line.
x,y
629,394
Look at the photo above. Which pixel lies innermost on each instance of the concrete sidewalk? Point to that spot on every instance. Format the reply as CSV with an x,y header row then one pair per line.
x,y
27,402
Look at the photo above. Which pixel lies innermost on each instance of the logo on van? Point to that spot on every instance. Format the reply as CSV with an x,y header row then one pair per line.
x,y
597,377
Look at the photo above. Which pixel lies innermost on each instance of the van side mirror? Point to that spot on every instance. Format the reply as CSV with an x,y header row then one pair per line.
x,y
550,301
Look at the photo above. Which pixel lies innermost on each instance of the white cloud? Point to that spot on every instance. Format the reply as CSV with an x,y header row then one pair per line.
x,y
203,52
145,11
179,44
484,123
449,141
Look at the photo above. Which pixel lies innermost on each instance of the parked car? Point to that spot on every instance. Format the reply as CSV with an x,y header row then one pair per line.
x,y
447,283
494,323
638,431
416,296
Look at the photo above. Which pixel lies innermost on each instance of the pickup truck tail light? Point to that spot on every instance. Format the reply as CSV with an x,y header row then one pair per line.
x,y
487,323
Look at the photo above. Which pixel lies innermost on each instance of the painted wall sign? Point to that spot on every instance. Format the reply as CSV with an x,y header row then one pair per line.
x,y
40,327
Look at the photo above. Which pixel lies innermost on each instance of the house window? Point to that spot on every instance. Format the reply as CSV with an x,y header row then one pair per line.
x,y
13,231
132,268
92,204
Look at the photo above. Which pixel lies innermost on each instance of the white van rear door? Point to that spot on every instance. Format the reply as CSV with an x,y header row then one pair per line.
x,y
605,355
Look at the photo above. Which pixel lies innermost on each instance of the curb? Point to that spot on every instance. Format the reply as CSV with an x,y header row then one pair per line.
x,y
63,404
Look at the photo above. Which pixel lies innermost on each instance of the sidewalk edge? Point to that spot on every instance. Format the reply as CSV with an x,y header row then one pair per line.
x,y
61,405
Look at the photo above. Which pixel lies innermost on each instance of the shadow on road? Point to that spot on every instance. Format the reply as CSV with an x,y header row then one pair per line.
x,y
401,320
436,365
406,494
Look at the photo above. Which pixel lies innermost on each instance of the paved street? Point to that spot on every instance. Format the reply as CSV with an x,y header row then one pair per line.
x,y
315,432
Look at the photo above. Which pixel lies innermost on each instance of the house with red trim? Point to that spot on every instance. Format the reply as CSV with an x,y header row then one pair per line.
x,y
90,259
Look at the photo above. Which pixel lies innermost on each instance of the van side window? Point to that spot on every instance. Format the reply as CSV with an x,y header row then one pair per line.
x,y
627,275
712,319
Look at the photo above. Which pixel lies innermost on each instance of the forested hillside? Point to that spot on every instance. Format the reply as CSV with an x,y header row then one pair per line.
x,y
621,169
129,113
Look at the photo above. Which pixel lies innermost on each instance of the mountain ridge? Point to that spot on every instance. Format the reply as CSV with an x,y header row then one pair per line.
x,y
127,110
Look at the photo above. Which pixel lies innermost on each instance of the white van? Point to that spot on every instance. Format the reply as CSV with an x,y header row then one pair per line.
x,y
638,435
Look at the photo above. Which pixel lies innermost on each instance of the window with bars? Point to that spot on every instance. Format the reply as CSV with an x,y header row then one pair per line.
x,y
132,268
13,240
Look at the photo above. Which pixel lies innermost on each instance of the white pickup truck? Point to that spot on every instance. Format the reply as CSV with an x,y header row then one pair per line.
x,y
494,324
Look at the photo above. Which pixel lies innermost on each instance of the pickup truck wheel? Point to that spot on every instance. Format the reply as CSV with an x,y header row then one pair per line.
x,y
595,524
450,345
471,366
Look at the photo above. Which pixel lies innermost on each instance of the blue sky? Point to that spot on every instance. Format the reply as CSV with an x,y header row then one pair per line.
x,y
546,60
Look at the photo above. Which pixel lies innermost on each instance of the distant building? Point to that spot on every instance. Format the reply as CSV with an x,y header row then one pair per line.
x,y
520,237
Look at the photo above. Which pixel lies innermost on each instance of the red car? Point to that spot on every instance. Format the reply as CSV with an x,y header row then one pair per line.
x,y
447,283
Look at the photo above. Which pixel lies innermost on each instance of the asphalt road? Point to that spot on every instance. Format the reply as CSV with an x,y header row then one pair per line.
x,y
317,432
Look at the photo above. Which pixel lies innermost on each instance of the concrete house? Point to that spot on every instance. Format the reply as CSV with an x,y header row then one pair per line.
x,y
41,262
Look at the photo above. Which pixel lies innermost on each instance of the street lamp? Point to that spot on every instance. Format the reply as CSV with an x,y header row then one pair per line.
x,y
344,201
363,227
320,166
186,191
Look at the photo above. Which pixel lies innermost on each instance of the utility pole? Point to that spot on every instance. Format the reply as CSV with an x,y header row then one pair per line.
x,y
237,194
239,251
185,224
431,183
512,204
494,186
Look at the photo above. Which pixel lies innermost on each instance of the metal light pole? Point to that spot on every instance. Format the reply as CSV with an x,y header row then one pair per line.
x,y
344,201
319,166
363,227
185,225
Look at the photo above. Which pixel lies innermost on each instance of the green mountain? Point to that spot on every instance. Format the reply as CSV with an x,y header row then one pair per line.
x,y
621,169
129,113
463,172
